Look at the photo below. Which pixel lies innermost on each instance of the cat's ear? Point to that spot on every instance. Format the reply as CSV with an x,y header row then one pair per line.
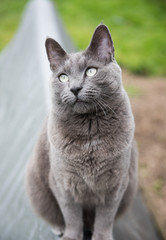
x,y
56,54
101,44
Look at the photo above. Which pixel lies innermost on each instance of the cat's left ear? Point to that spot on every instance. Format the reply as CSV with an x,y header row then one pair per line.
x,y
101,44
56,54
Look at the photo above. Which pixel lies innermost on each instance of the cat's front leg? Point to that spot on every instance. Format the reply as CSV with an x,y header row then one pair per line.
x,y
103,226
105,214
72,213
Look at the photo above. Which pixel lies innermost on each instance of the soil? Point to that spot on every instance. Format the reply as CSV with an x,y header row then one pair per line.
x,y
149,108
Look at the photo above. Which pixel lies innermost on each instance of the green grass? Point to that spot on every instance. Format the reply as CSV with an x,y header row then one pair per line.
x,y
138,28
10,16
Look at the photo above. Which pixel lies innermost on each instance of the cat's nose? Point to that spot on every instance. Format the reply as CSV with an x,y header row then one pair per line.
x,y
75,90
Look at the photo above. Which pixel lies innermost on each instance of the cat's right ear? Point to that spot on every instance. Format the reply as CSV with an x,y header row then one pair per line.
x,y
55,53
101,45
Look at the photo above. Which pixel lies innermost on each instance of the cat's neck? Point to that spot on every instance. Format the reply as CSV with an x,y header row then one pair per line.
x,y
93,124
80,130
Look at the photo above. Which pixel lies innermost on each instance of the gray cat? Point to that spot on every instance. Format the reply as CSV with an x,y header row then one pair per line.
x,y
83,172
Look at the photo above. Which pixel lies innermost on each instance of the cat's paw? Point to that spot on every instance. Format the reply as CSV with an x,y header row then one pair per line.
x,y
102,237
66,238
98,238
57,231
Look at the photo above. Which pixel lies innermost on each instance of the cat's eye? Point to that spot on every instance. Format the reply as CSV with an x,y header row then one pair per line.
x,y
63,78
91,72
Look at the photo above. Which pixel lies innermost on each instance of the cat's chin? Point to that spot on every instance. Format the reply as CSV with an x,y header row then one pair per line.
x,y
81,107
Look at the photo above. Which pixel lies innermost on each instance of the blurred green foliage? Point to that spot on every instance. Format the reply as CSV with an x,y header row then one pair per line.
x,y
138,28
158,185
133,91
10,16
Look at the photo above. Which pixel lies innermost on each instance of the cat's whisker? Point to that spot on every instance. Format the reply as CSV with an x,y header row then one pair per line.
x,y
100,105
111,93
66,100
96,109
90,95
91,92
107,106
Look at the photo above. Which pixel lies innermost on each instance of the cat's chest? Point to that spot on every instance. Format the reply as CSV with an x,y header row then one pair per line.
x,y
89,159
88,168
89,174
91,179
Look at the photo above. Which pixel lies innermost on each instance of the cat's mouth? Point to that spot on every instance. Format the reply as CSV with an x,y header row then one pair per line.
x,y
79,100
82,106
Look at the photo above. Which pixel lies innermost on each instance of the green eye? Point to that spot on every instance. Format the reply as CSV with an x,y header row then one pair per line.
x,y
91,72
63,78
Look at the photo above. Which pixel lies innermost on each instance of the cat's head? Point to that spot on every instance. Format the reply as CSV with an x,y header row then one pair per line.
x,y
87,81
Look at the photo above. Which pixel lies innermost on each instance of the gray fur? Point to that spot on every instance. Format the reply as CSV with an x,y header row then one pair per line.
x,y
83,172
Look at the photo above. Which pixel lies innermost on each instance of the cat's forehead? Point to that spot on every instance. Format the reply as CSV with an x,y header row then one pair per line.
x,y
76,60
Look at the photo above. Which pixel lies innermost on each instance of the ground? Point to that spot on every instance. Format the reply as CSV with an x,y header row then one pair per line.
x,y
148,99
